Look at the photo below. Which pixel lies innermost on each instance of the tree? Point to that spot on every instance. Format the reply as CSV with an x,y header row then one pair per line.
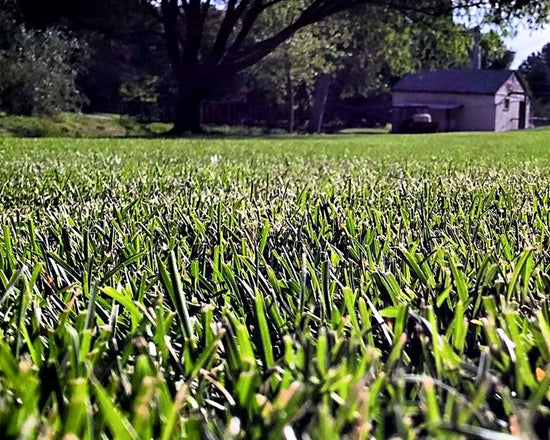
x,y
127,69
308,58
363,50
38,69
536,70
494,54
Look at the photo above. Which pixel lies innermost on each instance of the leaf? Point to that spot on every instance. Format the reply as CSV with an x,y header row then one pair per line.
x,y
117,423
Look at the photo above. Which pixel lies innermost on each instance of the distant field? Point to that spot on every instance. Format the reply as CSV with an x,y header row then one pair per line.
x,y
312,287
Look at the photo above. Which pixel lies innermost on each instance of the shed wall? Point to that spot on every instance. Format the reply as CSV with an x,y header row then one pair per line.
x,y
509,119
477,113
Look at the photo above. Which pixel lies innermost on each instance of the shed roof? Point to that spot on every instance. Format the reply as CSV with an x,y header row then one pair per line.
x,y
483,82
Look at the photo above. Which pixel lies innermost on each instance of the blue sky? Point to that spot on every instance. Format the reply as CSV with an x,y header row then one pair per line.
x,y
528,41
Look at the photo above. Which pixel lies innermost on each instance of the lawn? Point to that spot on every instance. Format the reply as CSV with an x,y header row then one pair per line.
x,y
77,125
287,287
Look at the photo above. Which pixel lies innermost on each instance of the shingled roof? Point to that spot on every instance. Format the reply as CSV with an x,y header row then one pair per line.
x,y
455,81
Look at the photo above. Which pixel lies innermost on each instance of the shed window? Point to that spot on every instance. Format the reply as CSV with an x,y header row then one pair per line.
x,y
507,104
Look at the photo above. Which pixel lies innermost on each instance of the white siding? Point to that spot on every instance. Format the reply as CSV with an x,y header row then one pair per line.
x,y
509,119
477,113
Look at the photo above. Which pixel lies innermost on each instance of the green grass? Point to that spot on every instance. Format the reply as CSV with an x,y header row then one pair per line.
x,y
370,130
324,288
77,125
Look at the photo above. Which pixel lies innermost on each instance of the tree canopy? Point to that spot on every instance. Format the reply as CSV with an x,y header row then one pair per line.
x,y
536,70
38,68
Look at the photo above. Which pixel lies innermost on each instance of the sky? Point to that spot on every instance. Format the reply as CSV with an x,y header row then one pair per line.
x,y
526,42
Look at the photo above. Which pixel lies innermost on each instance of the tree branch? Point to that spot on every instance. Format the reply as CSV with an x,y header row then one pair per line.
x,y
239,58
232,15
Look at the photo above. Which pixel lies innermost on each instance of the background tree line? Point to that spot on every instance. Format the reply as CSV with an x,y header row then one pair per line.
x,y
536,70
277,65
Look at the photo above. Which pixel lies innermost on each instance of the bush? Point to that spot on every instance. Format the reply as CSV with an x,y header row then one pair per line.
x,y
39,69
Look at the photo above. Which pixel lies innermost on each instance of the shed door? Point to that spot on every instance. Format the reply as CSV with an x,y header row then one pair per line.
x,y
522,115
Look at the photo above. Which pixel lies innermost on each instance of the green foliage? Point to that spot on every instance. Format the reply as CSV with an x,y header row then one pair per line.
x,y
77,125
140,89
299,61
330,287
39,69
536,70
494,54
309,53
364,50
390,44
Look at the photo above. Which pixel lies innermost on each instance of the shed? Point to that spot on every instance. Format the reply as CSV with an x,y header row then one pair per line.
x,y
463,100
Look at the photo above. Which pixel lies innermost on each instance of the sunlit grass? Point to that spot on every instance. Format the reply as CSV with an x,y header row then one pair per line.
x,y
316,287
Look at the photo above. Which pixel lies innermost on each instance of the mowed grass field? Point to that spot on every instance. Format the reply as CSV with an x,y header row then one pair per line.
x,y
298,288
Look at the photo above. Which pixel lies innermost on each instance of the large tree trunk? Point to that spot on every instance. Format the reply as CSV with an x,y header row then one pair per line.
x,y
322,87
188,110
